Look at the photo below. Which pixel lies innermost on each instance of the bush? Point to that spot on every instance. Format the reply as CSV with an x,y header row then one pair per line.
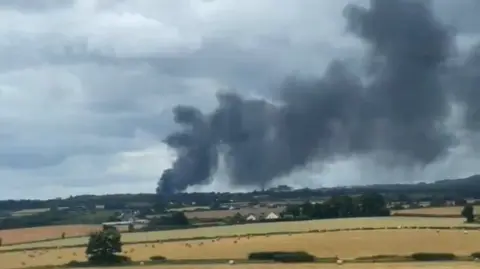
x,y
75,264
475,255
281,256
382,258
158,258
103,247
263,256
109,260
433,256
294,257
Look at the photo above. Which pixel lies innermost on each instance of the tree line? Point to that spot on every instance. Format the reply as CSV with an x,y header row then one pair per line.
x,y
342,206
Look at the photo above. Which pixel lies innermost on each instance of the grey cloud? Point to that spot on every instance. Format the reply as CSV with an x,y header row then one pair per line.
x,y
82,81
35,6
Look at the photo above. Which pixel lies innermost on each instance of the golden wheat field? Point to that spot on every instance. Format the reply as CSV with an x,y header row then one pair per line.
x,y
13,236
345,245
433,265
451,211
260,228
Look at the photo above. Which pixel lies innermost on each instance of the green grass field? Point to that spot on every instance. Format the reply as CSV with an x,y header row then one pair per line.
x,y
259,228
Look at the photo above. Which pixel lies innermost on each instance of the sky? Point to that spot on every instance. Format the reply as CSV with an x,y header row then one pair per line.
x,y
87,86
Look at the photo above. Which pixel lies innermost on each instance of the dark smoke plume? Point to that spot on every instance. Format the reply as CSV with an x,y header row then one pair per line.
x,y
399,114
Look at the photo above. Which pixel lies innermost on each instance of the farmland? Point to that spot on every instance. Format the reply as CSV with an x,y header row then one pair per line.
x,y
344,244
15,236
450,211
220,214
433,265
257,228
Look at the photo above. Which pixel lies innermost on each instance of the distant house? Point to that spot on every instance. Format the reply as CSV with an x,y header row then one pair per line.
x,y
251,217
450,203
272,216
425,204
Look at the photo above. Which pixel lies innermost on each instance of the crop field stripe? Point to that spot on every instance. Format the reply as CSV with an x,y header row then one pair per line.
x,y
236,235
260,228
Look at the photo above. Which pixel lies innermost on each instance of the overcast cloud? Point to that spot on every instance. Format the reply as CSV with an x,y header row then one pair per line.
x,y
87,86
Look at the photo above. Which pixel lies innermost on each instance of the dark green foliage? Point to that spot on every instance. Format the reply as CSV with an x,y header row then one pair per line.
x,y
294,257
179,218
341,206
131,228
103,246
433,256
169,220
75,263
475,255
235,219
468,213
159,206
282,256
109,260
158,258
63,235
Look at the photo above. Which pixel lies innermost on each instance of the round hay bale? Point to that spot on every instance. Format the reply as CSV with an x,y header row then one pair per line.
x,y
339,262
465,231
231,262
142,263
399,227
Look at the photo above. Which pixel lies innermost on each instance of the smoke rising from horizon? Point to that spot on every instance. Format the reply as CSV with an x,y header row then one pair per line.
x,y
398,116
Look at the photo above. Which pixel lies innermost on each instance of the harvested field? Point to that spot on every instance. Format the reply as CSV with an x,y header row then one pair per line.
x,y
29,212
189,208
451,211
220,214
346,245
14,236
261,228
430,265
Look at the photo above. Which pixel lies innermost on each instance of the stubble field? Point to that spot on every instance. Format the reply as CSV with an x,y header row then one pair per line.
x,y
433,265
14,236
344,244
257,228
451,211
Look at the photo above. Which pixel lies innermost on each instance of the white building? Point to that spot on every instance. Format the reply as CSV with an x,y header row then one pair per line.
x,y
272,216
251,217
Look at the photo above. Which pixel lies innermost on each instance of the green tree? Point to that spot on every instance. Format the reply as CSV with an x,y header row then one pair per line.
x,y
159,206
179,218
293,210
131,228
236,219
467,213
373,204
104,245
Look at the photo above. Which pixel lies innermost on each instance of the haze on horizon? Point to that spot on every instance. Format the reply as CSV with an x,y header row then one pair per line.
x,y
87,87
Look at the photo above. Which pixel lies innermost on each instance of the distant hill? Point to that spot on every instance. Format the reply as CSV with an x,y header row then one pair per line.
x,y
473,181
